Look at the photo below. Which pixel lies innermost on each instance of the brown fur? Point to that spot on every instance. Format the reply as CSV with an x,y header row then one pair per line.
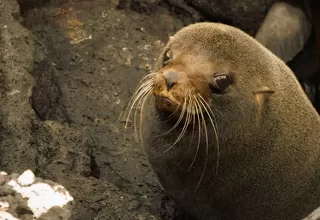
x,y
267,170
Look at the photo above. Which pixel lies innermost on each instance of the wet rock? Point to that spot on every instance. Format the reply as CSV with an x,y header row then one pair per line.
x,y
28,197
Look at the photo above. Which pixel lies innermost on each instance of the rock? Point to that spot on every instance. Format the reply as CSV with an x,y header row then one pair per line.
x,y
188,10
30,197
244,14
46,93
178,7
315,215
93,57
17,50
142,6
285,30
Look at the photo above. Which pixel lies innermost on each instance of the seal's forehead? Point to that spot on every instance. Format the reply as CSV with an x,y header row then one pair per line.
x,y
200,44
202,37
205,31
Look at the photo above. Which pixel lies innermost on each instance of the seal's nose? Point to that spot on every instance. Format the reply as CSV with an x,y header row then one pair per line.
x,y
171,79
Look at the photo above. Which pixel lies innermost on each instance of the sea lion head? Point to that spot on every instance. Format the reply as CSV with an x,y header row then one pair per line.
x,y
219,77
206,67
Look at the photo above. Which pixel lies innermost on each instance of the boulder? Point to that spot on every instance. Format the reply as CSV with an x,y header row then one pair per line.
x,y
28,197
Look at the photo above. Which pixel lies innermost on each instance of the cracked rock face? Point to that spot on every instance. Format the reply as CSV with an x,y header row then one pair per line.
x,y
17,51
66,73
29,197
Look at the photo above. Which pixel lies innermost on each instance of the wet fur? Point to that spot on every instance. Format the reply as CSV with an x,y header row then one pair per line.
x,y
269,165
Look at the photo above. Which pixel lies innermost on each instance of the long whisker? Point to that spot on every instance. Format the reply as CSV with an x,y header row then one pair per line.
x,y
185,126
214,126
207,146
198,110
140,91
136,103
144,88
150,76
147,97
177,122
139,106
193,119
143,83
147,80
212,114
191,109
169,118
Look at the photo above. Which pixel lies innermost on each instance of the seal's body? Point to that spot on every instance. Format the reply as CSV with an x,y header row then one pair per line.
x,y
229,132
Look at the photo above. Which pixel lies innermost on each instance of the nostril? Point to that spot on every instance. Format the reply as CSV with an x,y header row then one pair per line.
x,y
171,78
170,84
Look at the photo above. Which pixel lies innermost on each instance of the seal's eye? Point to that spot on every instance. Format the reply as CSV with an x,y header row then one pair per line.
x,y
220,82
167,57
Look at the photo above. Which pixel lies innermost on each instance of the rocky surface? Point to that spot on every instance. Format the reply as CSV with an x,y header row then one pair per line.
x,y
245,14
67,72
68,69
285,30
315,215
17,54
26,197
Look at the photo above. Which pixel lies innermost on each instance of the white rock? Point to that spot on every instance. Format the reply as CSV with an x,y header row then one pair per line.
x,y
26,178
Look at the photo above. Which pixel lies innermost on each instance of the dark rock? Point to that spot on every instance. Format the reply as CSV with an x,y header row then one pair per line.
x,y
99,55
17,51
141,6
245,14
46,93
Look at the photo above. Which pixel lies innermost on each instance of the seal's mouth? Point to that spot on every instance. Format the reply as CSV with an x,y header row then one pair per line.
x,y
167,96
166,100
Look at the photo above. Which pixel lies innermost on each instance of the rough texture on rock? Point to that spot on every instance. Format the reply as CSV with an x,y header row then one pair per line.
x,y
28,197
64,85
284,31
245,14
17,49
315,215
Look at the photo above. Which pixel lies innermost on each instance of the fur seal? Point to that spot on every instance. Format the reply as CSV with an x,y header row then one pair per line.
x,y
227,128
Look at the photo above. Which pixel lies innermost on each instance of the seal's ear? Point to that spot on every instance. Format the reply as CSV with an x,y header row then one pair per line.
x,y
260,99
263,90
171,37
